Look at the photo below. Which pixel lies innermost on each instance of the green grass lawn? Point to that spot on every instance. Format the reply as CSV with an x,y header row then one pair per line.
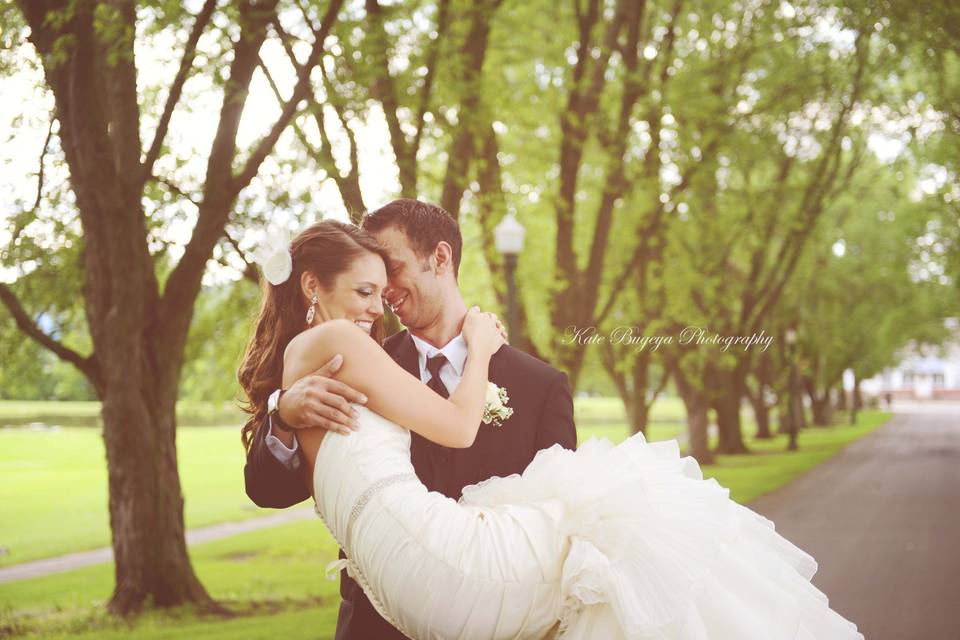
x,y
83,413
47,476
274,579
50,477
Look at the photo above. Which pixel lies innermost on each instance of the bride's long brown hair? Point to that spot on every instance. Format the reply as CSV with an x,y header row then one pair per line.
x,y
325,249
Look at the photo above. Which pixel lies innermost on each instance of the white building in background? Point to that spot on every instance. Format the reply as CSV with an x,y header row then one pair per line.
x,y
925,373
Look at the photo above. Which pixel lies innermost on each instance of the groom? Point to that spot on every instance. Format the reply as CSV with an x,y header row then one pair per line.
x,y
423,244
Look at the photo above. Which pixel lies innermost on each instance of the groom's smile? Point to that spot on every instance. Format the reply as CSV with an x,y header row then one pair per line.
x,y
397,303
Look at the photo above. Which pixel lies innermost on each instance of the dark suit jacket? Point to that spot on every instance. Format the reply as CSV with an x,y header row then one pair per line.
x,y
542,416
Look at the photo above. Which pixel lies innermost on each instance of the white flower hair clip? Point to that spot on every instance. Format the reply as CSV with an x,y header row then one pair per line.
x,y
273,256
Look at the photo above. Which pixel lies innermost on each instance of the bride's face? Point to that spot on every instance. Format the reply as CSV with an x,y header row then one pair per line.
x,y
356,292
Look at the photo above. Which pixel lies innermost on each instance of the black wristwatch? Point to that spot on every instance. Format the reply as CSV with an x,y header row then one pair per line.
x,y
273,410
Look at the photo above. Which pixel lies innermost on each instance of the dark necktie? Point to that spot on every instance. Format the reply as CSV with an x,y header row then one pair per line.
x,y
433,366
440,457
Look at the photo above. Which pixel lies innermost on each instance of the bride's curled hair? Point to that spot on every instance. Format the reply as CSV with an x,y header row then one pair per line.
x,y
325,249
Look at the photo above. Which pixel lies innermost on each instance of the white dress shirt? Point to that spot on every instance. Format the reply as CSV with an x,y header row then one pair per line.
x,y
450,375
452,370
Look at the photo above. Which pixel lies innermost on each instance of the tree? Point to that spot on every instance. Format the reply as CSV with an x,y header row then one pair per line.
x,y
138,307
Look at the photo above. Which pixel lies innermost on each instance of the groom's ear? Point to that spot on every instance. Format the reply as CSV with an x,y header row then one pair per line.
x,y
443,256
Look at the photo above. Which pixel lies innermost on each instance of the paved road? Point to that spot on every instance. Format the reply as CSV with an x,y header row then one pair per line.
x,y
883,520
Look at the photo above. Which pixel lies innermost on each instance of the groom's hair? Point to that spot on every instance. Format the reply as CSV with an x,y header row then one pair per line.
x,y
423,223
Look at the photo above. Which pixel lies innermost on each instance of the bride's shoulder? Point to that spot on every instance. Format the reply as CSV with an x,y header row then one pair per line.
x,y
340,332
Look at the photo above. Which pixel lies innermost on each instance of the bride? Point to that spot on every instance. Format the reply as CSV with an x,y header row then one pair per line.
x,y
625,541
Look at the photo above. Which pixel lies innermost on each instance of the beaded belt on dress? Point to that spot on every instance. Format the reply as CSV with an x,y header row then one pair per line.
x,y
372,490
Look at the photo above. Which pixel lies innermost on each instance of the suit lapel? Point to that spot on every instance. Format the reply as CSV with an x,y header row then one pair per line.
x,y
405,355
497,370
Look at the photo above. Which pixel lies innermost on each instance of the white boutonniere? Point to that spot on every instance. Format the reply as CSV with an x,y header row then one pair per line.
x,y
495,411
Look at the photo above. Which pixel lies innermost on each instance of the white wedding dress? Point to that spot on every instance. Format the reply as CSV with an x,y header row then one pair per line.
x,y
606,542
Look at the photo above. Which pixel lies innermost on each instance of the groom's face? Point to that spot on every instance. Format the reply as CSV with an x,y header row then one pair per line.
x,y
414,289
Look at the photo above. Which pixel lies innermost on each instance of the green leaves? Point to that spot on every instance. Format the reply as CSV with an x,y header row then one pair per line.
x,y
115,31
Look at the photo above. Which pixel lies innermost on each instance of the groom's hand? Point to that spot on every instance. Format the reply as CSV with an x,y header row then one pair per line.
x,y
317,400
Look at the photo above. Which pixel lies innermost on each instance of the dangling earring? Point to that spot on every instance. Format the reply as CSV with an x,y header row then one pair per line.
x,y
312,311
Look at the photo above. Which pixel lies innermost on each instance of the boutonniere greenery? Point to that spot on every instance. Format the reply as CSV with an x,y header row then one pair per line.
x,y
495,411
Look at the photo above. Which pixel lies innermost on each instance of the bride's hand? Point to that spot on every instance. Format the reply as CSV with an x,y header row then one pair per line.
x,y
483,332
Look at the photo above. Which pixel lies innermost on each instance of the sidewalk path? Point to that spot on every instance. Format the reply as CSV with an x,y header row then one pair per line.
x,y
882,518
71,561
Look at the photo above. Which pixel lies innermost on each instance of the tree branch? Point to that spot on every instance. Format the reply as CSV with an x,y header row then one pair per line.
x,y
811,206
443,13
615,186
175,189
648,231
87,365
176,89
221,187
184,281
385,92
250,270
40,171
21,220
300,92
584,97
463,147
348,185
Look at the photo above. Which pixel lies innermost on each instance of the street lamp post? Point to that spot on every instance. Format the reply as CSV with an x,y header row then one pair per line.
x,y
791,339
508,238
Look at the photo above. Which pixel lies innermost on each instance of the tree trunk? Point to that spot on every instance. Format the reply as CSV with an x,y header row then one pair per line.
x,y
352,196
726,389
801,412
783,416
638,413
757,396
841,403
697,406
146,507
697,423
819,403
633,388
728,425
856,400
827,410
761,413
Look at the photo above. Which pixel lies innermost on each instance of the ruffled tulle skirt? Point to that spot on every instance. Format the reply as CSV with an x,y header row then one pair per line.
x,y
656,552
